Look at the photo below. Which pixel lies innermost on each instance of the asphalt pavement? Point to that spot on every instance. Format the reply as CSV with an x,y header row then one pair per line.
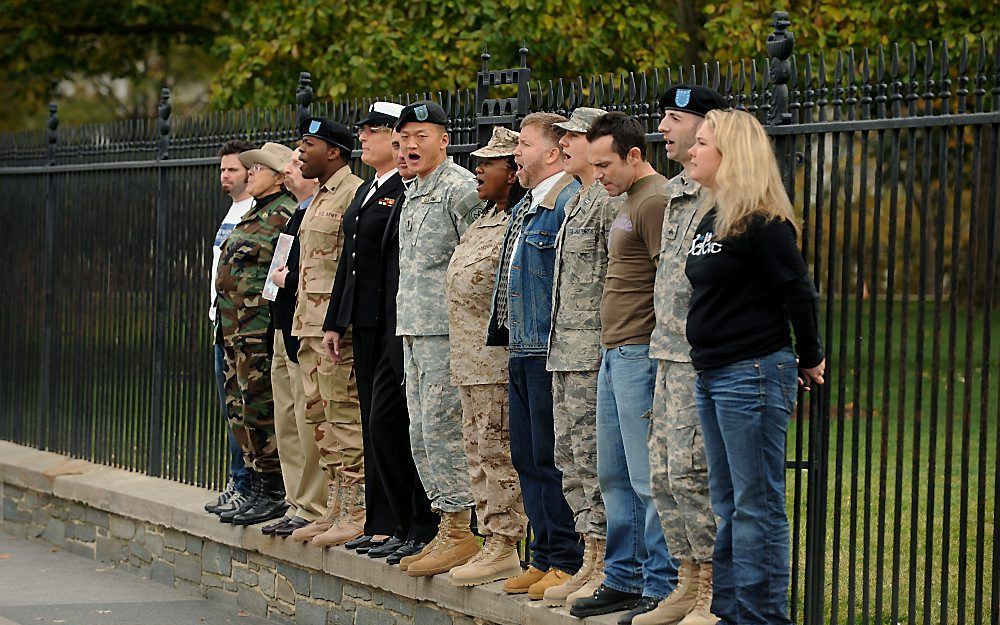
x,y
42,584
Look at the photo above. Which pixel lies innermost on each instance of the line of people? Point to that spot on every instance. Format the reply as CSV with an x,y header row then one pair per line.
x,y
564,339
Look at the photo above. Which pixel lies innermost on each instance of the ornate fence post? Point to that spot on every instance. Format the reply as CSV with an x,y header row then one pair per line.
x,y
45,413
161,305
780,45
501,111
303,99
779,48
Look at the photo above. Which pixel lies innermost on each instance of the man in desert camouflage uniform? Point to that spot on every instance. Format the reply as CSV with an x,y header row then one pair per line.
x,y
330,388
678,470
437,210
574,354
245,321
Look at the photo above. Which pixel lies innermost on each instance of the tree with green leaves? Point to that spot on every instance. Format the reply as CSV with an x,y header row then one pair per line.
x,y
111,57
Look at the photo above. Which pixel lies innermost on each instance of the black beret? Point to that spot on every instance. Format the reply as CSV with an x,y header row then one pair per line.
x,y
423,111
334,133
696,99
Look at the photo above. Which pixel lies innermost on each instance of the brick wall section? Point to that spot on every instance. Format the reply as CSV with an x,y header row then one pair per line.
x,y
157,529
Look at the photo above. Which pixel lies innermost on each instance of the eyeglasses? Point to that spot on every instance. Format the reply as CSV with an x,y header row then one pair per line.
x,y
374,130
258,167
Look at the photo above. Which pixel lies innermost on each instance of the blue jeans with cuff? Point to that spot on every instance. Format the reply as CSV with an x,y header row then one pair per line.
x,y
636,558
744,410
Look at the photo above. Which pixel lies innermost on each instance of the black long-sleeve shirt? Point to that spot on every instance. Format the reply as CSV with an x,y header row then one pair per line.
x,y
746,290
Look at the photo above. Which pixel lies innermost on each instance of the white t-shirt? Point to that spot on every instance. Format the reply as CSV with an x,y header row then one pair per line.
x,y
233,217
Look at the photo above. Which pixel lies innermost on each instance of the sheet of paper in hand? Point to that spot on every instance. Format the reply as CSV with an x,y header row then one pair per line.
x,y
279,259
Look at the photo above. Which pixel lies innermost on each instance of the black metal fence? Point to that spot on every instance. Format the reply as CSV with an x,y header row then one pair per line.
x,y
891,158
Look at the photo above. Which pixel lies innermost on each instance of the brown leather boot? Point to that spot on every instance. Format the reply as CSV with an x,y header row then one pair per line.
x,y
352,519
553,577
455,548
520,584
678,603
556,595
701,613
308,532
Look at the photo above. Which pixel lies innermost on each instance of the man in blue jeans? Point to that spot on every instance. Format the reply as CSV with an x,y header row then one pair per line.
x,y
233,178
639,570
520,318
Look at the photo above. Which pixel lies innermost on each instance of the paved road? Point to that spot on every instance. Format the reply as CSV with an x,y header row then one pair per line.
x,y
40,584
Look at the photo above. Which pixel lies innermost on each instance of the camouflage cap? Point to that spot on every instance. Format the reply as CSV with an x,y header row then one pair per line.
x,y
581,120
501,144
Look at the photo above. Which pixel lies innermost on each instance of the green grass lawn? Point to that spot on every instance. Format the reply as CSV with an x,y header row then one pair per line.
x,y
908,478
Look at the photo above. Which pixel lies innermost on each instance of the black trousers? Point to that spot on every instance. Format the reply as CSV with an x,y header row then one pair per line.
x,y
379,517
390,448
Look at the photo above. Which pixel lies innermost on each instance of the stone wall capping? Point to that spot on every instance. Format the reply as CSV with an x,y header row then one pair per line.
x,y
158,527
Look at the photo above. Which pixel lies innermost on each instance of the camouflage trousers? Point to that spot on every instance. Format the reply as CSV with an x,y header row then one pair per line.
x,y
249,406
333,409
574,413
677,466
436,423
495,484
305,484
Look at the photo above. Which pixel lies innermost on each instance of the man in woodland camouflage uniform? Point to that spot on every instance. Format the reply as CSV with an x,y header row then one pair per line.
x,y
330,388
245,320
678,470
574,354
437,210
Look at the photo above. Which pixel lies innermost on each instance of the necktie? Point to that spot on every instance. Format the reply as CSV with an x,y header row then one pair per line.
x,y
371,191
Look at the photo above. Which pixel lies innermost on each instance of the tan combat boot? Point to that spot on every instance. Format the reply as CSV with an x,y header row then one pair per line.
x,y
455,548
701,614
307,532
556,595
498,560
404,563
352,519
678,603
596,578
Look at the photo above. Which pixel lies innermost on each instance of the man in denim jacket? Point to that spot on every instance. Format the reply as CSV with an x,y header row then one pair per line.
x,y
520,318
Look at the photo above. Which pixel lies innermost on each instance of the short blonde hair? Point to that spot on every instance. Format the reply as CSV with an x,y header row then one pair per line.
x,y
748,182
546,125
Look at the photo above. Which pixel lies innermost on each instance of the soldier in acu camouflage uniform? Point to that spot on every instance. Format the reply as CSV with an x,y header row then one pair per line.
x,y
481,372
677,466
245,322
437,211
574,354
330,388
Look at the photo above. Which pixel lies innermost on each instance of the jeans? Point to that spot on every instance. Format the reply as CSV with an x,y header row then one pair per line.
x,y
238,472
744,409
555,542
636,557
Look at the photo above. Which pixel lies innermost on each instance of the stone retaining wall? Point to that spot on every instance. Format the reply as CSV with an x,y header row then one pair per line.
x,y
157,529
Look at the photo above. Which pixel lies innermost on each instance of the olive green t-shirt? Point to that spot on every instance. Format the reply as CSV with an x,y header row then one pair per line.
x,y
633,250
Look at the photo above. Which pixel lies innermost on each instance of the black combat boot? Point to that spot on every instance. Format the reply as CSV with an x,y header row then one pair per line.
x,y
270,503
227,516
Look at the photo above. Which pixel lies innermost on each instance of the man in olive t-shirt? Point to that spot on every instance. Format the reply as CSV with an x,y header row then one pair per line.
x,y
638,567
